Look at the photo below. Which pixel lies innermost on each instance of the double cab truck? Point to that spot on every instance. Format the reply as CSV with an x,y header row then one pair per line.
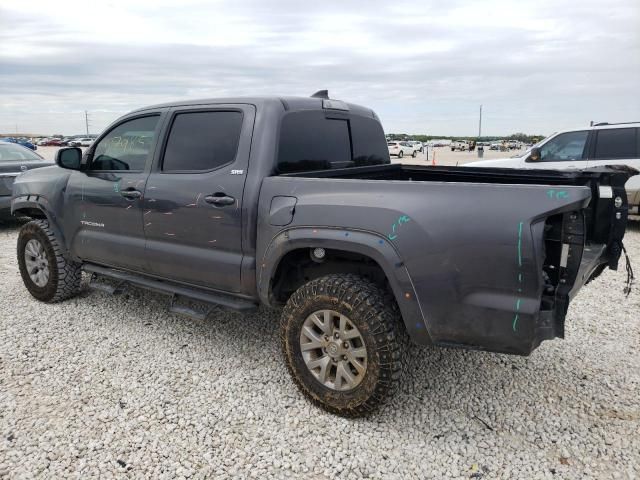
x,y
293,203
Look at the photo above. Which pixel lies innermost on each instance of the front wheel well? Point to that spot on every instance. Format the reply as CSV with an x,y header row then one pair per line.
x,y
32,212
299,266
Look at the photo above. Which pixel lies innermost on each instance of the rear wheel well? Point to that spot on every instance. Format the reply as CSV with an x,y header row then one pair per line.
x,y
299,266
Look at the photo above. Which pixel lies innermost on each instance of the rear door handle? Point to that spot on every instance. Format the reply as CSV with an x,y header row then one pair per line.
x,y
219,199
131,194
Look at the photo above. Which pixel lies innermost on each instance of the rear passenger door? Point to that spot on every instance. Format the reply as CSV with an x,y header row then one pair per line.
x,y
192,212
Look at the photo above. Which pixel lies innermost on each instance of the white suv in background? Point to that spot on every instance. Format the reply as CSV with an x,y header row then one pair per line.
x,y
601,144
401,149
82,142
419,146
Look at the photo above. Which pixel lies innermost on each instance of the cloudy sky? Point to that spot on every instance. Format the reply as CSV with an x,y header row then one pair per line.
x,y
536,66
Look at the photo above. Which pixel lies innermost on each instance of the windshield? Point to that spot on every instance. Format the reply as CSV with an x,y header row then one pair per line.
x,y
10,152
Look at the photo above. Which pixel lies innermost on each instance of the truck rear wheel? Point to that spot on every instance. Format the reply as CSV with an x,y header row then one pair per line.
x,y
341,341
48,276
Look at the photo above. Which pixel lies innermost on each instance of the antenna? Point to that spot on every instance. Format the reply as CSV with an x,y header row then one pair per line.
x,y
321,94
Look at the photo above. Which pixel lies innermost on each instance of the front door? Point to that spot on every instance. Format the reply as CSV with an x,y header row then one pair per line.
x,y
193,199
105,198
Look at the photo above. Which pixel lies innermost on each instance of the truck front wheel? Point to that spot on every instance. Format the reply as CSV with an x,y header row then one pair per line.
x,y
48,276
341,340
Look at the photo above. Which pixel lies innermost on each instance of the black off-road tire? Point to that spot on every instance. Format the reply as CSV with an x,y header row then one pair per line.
x,y
64,275
377,318
401,154
414,154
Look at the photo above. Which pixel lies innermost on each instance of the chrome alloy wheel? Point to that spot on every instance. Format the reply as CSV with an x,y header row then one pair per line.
x,y
333,350
36,262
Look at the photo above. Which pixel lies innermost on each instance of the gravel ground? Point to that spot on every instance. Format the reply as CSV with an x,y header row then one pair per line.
x,y
118,387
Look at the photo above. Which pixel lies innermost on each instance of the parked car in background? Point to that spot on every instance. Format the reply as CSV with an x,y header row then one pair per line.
x,y
81,142
460,145
419,146
20,141
501,146
601,144
14,159
52,142
400,149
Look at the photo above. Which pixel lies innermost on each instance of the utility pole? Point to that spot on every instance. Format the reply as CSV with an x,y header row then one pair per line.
x,y
86,121
480,147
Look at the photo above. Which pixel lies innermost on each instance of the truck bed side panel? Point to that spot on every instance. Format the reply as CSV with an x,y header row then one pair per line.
x,y
474,252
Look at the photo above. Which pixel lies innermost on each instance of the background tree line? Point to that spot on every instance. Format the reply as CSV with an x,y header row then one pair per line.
x,y
521,137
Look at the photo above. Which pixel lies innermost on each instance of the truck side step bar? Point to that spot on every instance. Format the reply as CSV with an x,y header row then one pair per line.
x,y
105,287
175,290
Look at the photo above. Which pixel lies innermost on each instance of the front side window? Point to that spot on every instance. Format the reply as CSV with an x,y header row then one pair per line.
x,y
127,146
616,143
565,147
202,141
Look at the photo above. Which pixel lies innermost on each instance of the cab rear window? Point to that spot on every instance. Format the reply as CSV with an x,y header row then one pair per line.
x,y
311,140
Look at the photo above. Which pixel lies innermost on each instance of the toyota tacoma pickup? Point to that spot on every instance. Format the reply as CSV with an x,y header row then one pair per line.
x,y
293,202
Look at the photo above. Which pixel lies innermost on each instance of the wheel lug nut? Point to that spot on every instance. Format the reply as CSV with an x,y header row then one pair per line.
x,y
336,335
346,344
344,357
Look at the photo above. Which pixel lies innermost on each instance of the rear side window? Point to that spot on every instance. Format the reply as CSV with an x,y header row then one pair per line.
x,y
127,146
369,142
616,143
202,141
311,141
11,153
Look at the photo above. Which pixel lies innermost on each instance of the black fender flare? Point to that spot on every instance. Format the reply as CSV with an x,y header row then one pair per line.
x,y
369,244
39,202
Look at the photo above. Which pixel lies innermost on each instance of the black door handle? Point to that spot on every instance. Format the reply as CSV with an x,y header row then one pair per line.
x,y
131,194
220,199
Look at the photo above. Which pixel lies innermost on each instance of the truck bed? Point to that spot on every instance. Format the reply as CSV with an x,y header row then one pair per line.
x,y
494,256
426,173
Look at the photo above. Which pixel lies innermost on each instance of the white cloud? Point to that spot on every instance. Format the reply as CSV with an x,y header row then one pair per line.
x,y
537,66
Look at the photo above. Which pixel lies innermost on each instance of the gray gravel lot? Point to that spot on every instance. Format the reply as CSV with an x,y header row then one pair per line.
x,y
116,386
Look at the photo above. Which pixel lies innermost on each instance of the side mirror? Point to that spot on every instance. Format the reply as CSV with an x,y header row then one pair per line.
x,y
69,158
535,155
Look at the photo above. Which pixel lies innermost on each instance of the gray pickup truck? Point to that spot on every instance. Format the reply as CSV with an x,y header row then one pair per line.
x,y
293,202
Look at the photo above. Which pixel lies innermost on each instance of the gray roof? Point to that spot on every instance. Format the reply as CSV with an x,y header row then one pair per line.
x,y
289,103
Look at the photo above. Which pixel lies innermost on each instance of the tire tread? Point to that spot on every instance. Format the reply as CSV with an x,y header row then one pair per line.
x,y
376,309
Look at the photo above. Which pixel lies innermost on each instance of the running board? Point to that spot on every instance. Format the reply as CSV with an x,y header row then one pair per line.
x,y
105,287
221,299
